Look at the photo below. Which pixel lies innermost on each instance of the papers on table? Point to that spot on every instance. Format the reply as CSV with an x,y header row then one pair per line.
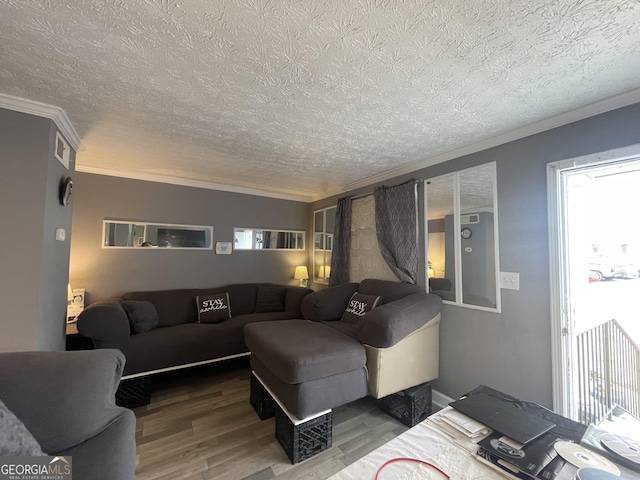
x,y
464,430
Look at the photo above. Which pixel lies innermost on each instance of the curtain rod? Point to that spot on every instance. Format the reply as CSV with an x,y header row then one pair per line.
x,y
364,195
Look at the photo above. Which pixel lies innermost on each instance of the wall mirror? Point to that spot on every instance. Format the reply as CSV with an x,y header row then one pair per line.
x,y
262,239
323,226
129,234
462,237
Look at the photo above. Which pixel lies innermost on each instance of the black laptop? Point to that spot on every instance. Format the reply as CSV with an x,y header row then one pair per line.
x,y
503,416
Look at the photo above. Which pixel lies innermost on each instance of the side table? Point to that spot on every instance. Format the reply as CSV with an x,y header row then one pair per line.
x,y
75,341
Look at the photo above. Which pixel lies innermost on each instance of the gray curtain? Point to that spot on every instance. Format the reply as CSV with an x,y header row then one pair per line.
x,y
341,243
397,229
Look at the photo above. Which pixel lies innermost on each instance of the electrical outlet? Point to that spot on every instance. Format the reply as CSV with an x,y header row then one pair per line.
x,y
61,234
509,280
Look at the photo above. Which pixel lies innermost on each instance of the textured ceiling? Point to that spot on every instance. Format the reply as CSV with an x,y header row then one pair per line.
x,y
306,97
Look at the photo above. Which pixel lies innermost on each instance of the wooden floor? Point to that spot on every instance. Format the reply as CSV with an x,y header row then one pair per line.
x,y
199,425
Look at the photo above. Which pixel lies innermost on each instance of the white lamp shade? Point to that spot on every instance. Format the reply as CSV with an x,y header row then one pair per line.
x,y
301,273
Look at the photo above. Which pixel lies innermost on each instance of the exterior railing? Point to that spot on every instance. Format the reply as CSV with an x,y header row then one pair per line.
x,y
608,362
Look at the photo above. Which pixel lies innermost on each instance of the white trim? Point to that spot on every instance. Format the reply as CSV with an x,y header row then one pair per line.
x,y
151,177
496,239
63,123
559,374
597,108
331,193
594,159
457,240
47,111
440,399
180,367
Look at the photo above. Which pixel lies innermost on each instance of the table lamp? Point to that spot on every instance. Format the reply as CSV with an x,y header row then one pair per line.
x,y
301,274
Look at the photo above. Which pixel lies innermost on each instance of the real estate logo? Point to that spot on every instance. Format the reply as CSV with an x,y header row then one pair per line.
x,y
36,468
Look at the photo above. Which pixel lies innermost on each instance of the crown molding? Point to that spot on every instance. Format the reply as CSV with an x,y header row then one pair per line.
x,y
603,106
150,177
47,111
64,125
331,193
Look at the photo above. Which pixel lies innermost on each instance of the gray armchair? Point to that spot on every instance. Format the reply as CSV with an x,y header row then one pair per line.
x,y
66,400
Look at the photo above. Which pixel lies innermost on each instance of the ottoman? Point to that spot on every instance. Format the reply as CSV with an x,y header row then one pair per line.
x,y
309,366
301,370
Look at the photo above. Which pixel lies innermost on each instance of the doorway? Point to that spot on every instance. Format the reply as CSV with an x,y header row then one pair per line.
x,y
595,283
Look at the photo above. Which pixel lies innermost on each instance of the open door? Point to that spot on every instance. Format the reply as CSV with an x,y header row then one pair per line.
x,y
595,288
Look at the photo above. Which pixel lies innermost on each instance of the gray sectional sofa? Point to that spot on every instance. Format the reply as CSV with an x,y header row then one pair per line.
x,y
179,339
329,360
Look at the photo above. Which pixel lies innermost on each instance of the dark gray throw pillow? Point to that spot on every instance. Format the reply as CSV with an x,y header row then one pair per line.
x,y
270,299
15,439
359,305
213,308
142,315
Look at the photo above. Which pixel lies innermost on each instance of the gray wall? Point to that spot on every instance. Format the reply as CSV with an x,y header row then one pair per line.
x,y
511,351
33,266
109,272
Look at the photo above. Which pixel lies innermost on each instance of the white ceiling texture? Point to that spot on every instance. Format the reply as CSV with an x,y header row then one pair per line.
x,y
303,99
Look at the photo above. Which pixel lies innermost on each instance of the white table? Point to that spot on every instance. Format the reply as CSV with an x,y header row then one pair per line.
x,y
423,442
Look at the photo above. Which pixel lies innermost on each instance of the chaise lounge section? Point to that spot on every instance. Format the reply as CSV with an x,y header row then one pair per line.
x,y
311,367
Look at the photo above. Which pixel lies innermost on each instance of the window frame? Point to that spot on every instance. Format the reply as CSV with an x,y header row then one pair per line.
x,y
457,214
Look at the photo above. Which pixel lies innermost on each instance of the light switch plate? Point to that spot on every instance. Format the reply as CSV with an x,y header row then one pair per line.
x,y
61,234
510,281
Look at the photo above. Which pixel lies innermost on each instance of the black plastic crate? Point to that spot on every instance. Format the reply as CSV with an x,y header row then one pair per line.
x,y
134,392
304,440
410,406
260,399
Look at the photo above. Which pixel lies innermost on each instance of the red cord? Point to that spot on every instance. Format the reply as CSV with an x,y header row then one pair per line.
x,y
409,460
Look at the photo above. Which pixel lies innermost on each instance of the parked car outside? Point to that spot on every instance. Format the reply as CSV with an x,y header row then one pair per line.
x,y
610,269
594,276
627,271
